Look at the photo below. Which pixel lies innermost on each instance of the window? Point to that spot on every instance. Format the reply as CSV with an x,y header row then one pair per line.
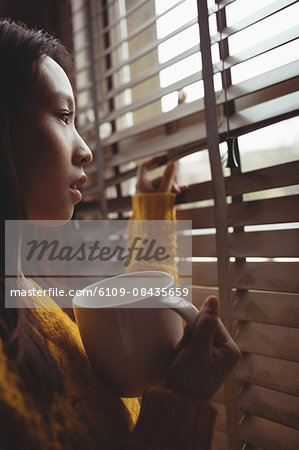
x,y
140,92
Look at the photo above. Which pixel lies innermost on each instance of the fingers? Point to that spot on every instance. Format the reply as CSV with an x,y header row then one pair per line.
x,y
175,188
153,162
205,358
184,341
222,336
183,188
141,172
207,323
144,167
164,183
156,182
143,184
168,178
226,348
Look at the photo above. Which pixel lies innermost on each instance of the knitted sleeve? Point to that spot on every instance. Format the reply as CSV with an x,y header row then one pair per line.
x,y
171,421
154,206
154,223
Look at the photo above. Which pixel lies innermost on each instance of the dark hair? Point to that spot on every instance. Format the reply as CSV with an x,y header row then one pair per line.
x,y
21,50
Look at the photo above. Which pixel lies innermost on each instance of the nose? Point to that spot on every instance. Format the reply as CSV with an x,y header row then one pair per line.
x,y
82,154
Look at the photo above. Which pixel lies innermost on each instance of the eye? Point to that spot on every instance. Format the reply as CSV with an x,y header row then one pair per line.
x,y
65,116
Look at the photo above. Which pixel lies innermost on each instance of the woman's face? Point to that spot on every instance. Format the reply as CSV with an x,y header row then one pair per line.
x,y
52,153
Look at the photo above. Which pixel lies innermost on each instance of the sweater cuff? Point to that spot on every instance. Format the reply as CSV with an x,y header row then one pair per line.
x,y
154,206
174,421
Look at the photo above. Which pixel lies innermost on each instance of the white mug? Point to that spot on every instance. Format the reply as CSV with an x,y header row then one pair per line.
x,y
130,325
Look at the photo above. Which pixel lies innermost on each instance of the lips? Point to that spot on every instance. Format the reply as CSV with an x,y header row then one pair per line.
x,y
78,183
75,185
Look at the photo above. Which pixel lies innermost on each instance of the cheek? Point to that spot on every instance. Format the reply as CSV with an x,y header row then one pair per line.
x,y
46,173
47,150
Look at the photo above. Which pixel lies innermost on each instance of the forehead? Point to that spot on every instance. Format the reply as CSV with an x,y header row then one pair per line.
x,y
52,81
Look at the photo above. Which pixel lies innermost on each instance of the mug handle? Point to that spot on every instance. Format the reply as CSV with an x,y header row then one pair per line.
x,y
182,307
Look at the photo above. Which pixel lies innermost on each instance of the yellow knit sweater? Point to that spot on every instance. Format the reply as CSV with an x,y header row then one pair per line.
x,y
89,415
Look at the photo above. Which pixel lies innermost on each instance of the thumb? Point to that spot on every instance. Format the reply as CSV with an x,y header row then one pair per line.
x,y
168,178
207,323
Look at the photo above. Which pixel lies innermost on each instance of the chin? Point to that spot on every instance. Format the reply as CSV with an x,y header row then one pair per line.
x,y
51,219
62,219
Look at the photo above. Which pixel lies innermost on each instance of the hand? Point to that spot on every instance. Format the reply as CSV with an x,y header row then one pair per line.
x,y
206,355
165,183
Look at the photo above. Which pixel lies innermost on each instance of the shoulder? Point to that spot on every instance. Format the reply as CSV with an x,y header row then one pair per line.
x,y
11,397
56,328
52,318
21,425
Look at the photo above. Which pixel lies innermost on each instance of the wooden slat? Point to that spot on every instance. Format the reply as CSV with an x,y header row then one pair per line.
x,y
254,84
262,47
269,340
271,244
205,273
272,405
152,96
184,270
270,177
184,243
142,52
263,114
267,211
267,276
220,5
220,423
268,435
219,441
251,19
137,31
145,50
204,245
236,184
280,175
113,22
119,204
272,210
262,81
146,74
152,46
194,136
264,307
187,109
196,193
200,293
201,217
269,372
158,93
278,75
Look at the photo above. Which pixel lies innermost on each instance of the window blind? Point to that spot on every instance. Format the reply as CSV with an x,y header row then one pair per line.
x,y
127,69
129,82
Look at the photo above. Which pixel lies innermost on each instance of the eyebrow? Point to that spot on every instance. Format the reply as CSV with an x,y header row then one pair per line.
x,y
68,98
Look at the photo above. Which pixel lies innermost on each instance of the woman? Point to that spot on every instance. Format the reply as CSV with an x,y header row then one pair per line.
x,y
49,396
